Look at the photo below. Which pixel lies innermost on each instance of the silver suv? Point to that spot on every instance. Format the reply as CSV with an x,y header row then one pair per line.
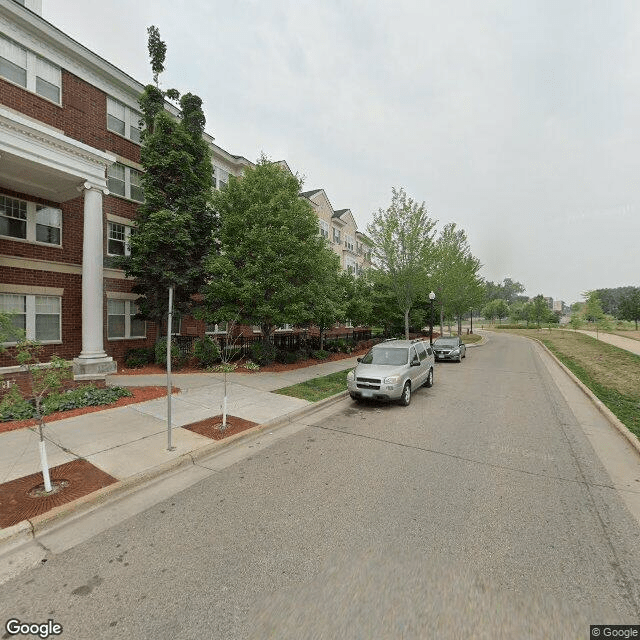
x,y
392,370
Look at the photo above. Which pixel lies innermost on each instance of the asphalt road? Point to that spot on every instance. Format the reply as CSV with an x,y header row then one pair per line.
x,y
480,511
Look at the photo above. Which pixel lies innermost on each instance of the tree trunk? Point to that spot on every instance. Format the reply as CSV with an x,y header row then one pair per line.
x,y
406,324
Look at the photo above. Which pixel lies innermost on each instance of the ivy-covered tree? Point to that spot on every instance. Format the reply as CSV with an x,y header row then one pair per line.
x,y
402,237
270,252
176,222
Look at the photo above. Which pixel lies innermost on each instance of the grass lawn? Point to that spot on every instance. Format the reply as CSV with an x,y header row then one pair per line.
x,y
612,374
317,388
471,338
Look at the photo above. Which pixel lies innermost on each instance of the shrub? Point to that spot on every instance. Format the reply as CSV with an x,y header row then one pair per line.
x,y
161,353
320,354
136,358
85,396
290,357
251,366
206,351
263,352
14,407
233,352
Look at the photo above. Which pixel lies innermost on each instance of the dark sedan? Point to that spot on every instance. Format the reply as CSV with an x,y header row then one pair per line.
x,y
451,348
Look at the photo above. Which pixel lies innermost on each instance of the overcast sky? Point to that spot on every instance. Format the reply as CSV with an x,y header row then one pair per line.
x,y
518,120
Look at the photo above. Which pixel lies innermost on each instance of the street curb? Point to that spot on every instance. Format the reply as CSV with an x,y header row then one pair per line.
x,y
602,408
28,530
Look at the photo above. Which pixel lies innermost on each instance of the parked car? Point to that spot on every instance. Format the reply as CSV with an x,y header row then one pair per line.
x,y
451,348
392,370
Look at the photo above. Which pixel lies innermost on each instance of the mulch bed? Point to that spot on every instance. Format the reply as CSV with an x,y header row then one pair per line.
x,y
211,427
276,367
22,498
140,394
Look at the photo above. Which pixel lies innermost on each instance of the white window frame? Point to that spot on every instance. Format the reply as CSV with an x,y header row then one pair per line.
x,y
336,235
351,265
127,320
32,221
127,180
324,228
52,71
285,327
348,242
30,316
130,118
127,238
220,177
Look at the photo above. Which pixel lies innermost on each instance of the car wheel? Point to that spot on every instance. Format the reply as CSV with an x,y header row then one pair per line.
x,y
429,382
354,397
405,398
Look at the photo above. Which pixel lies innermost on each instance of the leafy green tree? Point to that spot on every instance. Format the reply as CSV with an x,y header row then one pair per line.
x,y
497,308
629,308
402,237
458,286
176,222
592,310
356,298
508,290
326,300
269,253
539,312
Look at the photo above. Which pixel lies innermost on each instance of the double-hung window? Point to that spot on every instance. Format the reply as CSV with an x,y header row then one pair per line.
x,y
29,221
220,177
125,181
29,70
121,320
348,242
336,235
35,317
352,265
118,239
324,228
123,120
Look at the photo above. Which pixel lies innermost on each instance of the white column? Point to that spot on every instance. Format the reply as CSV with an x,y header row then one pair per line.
x,y
92,358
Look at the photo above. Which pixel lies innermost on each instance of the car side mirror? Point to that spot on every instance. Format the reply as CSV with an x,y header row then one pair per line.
x,y
415,362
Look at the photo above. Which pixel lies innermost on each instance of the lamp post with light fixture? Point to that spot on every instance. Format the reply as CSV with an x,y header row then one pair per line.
x,y
432,297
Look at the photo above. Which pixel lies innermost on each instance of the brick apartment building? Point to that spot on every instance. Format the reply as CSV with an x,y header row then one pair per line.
x,y
69,187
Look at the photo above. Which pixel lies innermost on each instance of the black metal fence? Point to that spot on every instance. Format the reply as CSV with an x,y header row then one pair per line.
x,y
284,341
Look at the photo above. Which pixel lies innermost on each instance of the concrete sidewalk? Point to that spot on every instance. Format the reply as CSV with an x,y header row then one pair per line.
x,y
127,441
629,344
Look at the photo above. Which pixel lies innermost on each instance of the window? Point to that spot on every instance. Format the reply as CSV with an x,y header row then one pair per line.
x,y
30,221
348,242
29,70
324,228
285,327
123,120
48,224
121,321
125,181
217,327
336,235
13,217
37,316
118,239
221,177
352,265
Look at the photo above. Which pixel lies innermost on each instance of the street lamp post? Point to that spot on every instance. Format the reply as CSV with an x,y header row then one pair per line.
x,y
432,297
